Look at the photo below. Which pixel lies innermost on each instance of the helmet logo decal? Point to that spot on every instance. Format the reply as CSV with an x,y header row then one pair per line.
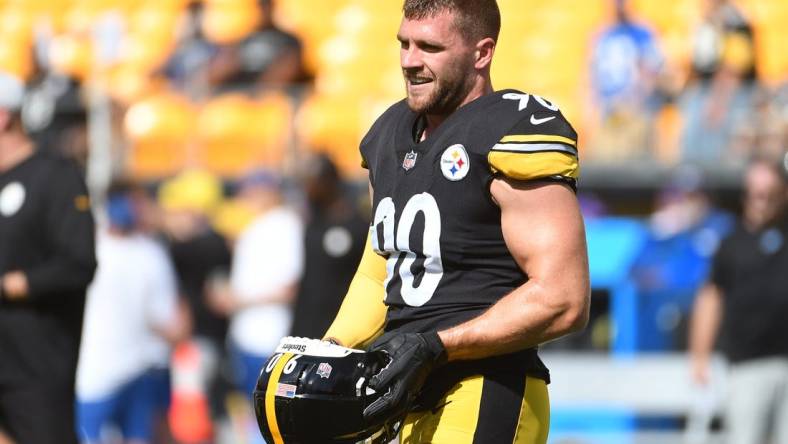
x,y
324,370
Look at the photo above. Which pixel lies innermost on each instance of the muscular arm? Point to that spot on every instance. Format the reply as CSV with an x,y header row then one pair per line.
x,y
543,229
704,326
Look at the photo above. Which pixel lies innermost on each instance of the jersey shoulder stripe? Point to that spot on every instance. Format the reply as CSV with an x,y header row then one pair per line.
x,y
541,145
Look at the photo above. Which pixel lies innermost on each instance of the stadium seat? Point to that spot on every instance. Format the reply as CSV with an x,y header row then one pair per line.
x,y
127,83
160,130
237,133
71,54
333,125
15,59
229,21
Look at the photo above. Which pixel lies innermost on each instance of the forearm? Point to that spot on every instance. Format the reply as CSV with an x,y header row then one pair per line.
x,y
705,321
60,276
524,318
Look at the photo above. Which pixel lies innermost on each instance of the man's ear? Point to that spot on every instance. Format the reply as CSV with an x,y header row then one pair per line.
x,y
5,119
485,49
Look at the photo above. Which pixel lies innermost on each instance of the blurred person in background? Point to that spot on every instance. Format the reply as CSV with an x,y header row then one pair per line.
x,y
47,260
334,239
268,58
763,132
720,89
625,69
199,255
685,230
187,67
132,317
745,305
56,117
266,267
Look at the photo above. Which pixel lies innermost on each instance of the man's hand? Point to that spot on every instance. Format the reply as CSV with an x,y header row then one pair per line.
x,y
412,358
14,285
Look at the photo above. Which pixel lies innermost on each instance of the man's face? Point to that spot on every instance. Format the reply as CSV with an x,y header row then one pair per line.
x,y
437,63
764,196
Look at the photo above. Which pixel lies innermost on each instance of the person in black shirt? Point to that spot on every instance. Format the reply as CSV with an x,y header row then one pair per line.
x,y
47,260
333,242
746,303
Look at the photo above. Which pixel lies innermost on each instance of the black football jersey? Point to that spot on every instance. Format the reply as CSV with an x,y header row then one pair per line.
x,y
434,218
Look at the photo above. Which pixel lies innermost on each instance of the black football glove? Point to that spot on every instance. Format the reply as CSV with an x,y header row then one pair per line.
x,y
412,358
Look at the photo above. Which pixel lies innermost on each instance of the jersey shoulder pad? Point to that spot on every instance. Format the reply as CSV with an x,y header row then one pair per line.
x,y
541,145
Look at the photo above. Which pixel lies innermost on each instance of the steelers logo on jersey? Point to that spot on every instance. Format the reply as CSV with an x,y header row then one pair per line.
x,y
454,162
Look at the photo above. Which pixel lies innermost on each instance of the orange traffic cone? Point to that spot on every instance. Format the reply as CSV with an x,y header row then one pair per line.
x,y
189,416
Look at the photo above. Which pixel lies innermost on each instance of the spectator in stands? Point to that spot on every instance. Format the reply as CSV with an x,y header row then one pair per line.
x,y
723,79
199,254
269,58
47,259
333,242
762,132
187,68
744,303
132,316
625,69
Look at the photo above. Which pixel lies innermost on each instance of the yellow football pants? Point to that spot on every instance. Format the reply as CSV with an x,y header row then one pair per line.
x,y
484,410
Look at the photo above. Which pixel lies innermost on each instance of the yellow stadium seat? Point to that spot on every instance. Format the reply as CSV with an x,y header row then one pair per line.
x,y
16,24
15,58
147,52
229,23
160,129
127,83
237,133
334,125
71,54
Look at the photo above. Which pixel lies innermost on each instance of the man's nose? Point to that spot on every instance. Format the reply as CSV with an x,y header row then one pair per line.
x,y
410,59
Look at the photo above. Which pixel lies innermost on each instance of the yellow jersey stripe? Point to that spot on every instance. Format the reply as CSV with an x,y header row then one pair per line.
x,y
530,166
525,138
270,397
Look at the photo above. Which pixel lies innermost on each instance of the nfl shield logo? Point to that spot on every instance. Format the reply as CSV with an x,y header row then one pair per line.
x,y
410,160
324,370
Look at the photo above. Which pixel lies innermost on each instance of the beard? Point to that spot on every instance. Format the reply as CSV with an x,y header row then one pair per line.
x,y
448,91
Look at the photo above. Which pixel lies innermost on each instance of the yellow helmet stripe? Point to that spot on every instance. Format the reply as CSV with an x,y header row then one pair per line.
x,y
270,396
544,138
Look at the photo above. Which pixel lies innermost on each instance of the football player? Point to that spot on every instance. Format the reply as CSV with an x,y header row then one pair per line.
x,y
477,250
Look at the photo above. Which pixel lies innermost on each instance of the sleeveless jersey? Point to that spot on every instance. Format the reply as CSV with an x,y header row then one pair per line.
x,y
434,217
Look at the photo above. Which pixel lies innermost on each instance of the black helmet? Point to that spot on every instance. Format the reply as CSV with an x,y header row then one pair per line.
x,y
311,391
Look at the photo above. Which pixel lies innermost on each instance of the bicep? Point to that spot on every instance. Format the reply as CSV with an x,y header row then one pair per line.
x,y
543,229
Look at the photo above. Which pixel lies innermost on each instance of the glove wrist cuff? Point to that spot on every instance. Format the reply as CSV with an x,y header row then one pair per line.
x,y
436,346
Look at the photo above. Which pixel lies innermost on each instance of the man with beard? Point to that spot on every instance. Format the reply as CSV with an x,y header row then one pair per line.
x,y
476,251
47,260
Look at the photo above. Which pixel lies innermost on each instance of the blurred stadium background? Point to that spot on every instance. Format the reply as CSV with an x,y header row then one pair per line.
x,y
149,89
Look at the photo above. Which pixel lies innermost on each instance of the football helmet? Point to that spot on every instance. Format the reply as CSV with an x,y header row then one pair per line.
x,y
312,391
